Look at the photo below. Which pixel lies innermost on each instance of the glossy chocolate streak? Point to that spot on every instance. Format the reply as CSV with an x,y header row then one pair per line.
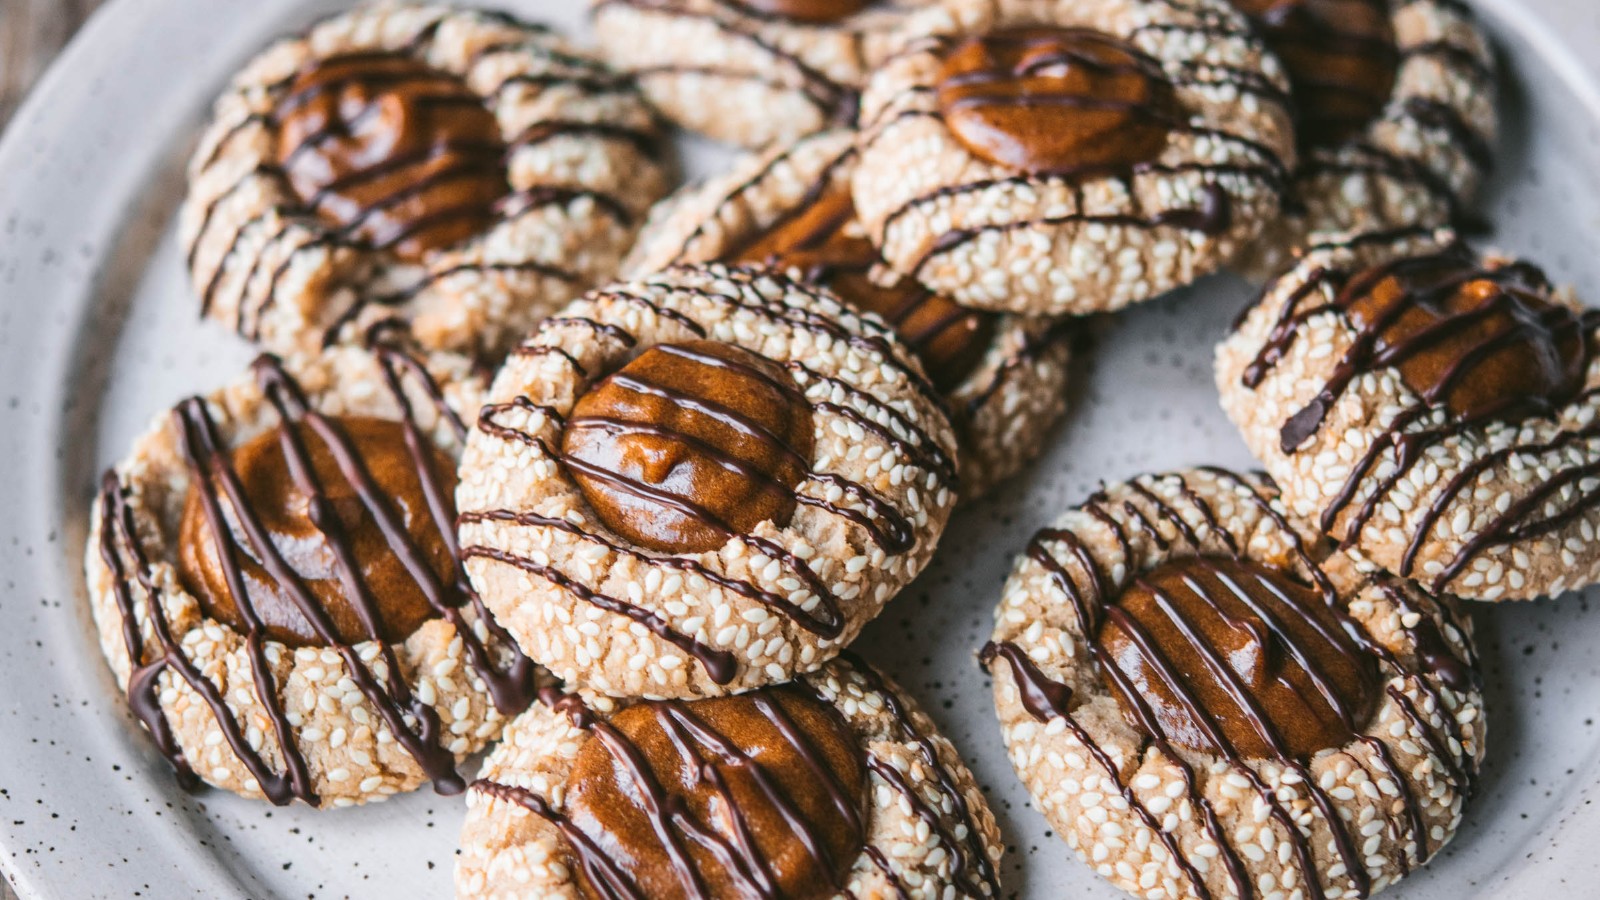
x,y
1465,341
1045,699
826,622
971,868
699,759
597,865
213,475
883,523
1055,99
584,75
1033,348
887,527
1341,59
720,665
814,237
1213,216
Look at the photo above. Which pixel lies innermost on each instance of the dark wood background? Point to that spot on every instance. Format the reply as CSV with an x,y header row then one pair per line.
x,y
32,32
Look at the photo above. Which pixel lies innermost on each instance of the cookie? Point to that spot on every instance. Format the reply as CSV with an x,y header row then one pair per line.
x,y
1430,406
836,785
1072,156
1395,108
751,72
460,169
1207,700
701,483
273,574
1003,377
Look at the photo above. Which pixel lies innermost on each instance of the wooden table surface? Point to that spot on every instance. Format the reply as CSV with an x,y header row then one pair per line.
x,y
32,32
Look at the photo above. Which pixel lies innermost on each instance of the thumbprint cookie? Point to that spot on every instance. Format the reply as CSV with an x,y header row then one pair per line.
x,y
1433,407
1072,156
274,575
835,785
459,169
1207,699
702,482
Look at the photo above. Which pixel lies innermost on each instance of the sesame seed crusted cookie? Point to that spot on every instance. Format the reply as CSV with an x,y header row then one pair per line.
x,y
460,169
1054,158
1396,107
1003,377
702,482
273,575
1433,408
1207,700
750,72
838,783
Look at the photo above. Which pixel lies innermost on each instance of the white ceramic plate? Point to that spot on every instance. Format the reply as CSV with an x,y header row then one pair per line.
x,y
98,334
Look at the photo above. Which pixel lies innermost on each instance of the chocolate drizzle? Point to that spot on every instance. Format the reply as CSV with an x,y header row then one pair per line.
x,y
1341,57
822,238
975,329
833,101
889,528
730,855
1046,699
1359,156
415,174
413,723
1477,345
1229,657
1211,215
1063,101
689,444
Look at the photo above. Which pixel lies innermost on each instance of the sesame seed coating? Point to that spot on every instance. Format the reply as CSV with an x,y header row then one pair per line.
x,y
1161,821
925,826
778,601
580,164
350,751
725,70
1002,410
1420,163
1442,517
992,237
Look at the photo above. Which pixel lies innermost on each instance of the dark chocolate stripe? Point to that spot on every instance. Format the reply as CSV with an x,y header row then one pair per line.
x,y
1045,699
511,688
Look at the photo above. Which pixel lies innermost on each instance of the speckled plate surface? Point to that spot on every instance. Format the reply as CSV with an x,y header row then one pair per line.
x,y
98,334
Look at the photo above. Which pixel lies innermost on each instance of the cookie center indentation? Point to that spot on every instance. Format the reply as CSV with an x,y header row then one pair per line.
x,y
1235,658
760,795
305,494
395,154
1062,101
690,444
1477,342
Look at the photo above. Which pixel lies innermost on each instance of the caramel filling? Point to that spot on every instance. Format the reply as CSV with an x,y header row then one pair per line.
x,y
385,599
1479,345
690,444
759,795
1341,57
1237,659
824,240
811,12
395,154
1056,100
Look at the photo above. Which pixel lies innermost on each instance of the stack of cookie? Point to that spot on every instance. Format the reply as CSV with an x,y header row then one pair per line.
x,y
534,459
